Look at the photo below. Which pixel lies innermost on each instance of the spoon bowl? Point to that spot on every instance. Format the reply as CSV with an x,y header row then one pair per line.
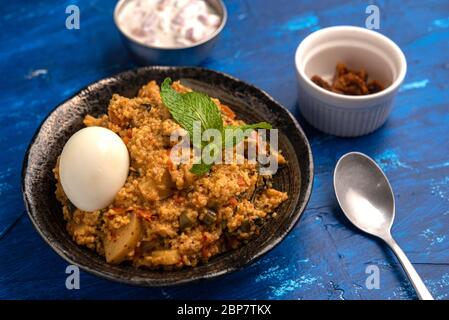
x,y
367,200
364,193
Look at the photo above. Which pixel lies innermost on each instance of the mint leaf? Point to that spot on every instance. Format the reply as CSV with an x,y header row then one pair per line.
x,y
178,109
232,139
200,168
186,108
204,109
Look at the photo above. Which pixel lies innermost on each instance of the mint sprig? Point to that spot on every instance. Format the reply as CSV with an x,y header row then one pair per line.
x,y
186,108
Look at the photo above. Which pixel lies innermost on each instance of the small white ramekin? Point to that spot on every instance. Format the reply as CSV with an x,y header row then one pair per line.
x,y
343,115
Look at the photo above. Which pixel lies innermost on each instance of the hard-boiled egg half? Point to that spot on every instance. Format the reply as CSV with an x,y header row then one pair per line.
x,y
93,167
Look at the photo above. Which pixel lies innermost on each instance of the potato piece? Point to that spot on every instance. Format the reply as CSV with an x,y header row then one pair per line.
x,y
123,241
165,257
165,185
148,189
156,189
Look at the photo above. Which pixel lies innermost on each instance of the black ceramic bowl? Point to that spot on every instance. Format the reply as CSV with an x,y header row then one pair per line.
x,y
250,103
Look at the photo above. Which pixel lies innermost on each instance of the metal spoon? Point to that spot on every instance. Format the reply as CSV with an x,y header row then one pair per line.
x,y
366,198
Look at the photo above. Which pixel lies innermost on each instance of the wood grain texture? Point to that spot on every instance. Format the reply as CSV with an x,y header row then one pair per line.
x,y
323,257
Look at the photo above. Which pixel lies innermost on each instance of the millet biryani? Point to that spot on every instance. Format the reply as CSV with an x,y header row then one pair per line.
x,y
166,215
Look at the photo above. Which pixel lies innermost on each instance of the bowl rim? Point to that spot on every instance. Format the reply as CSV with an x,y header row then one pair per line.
x,y
137,282
121,3
341,97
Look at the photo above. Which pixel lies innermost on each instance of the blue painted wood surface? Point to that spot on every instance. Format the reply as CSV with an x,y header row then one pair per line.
x,y
323,257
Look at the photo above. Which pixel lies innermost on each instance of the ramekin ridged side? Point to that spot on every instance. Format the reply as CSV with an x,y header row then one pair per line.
x,y
343,122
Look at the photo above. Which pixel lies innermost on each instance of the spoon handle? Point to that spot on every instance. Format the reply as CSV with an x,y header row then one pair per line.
x,y
421,289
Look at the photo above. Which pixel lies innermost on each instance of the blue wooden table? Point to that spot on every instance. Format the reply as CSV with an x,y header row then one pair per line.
x,y
42,63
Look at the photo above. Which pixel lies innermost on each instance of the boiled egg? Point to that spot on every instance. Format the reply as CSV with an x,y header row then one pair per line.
x,y
93,167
